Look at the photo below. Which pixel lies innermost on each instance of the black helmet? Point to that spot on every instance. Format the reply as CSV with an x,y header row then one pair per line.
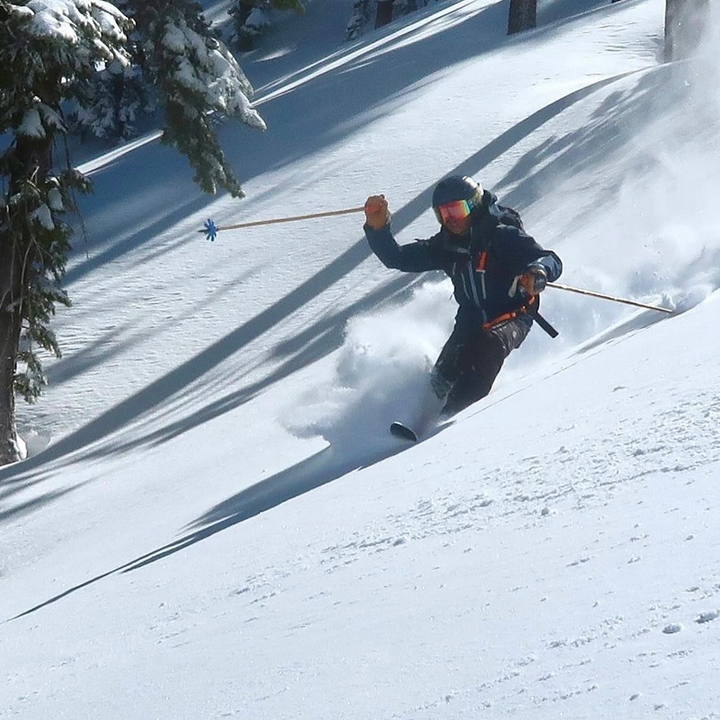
x,y
457,187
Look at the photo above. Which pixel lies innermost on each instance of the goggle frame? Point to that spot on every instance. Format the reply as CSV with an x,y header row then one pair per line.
x,y
455,210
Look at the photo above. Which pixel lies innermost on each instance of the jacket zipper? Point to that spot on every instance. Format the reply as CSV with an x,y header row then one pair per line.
x,y
473,286
480,270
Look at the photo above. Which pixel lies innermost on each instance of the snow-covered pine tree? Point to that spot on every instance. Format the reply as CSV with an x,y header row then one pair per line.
x,y
117,98
120,97
196,79
253,18
359,20
47,50
50,51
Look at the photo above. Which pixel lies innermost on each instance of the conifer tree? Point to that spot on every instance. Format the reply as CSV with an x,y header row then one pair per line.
x,y
384,13
253,18
179,67
369,14
360,19
50,53
195,77
46,52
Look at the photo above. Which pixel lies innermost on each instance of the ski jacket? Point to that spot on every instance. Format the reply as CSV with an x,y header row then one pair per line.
x,y
483,266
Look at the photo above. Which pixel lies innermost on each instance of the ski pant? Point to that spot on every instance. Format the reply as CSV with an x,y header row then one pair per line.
x,y
471,360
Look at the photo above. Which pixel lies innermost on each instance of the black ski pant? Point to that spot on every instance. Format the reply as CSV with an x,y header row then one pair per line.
x,y
471,360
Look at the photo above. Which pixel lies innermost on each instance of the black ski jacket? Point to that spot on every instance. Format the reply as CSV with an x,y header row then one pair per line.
x,y
482,293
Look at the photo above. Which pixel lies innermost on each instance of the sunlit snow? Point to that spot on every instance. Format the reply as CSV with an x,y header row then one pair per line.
x,y
213,521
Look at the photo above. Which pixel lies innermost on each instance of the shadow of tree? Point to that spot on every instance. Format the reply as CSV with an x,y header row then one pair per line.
x,y
313,472
562,157
152,397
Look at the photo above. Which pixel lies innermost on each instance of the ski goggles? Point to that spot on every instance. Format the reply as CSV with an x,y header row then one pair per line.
x,y
457,210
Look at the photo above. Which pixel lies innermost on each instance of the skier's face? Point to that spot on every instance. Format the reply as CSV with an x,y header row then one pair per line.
x,y
455,216
458,227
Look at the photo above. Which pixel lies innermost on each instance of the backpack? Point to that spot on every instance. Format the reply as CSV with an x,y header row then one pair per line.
x,y
507,216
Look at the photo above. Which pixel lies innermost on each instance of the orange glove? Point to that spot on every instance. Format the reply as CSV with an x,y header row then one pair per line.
x,y
533,282
377,215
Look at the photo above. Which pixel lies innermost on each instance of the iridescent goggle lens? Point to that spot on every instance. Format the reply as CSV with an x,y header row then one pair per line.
x,y
457,210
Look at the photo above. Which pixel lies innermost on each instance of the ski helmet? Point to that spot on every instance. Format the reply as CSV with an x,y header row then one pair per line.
x,y
454,188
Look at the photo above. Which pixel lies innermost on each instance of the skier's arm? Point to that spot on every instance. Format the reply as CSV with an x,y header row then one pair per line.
x,y
550,263
520,252
415,257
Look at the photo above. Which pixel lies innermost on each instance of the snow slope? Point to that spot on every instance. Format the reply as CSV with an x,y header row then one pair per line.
x,y
220,527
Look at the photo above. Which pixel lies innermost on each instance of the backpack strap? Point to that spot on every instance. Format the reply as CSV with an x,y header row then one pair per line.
x,y
542,322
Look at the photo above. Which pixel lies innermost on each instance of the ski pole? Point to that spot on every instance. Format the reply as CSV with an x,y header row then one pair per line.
x,y
591,293
210,229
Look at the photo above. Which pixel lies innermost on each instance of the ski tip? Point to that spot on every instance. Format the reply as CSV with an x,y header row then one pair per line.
x,y
403,432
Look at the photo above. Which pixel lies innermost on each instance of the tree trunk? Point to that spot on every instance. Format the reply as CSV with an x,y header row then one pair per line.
x,y
685,21
32,158
523,16
384,13
10,323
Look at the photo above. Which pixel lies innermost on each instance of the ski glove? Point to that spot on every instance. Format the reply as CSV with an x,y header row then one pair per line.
x,y
377,215
533,281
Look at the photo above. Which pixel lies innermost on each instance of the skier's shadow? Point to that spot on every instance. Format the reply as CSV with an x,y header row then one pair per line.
x,y
319,469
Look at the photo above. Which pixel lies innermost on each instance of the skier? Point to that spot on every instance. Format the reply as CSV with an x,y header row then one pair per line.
x,y
497,271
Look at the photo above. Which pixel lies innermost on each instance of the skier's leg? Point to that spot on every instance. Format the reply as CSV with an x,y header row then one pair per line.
x,y
450,363
431,404
476,381
443,376
482,364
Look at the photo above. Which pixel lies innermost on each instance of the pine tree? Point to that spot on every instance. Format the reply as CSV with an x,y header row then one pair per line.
x,y
369,14
116,100
45,55
195,78
360,19
175,58
253,18
50,56
384,13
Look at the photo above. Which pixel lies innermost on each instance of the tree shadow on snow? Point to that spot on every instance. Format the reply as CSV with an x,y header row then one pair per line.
x,y
313,343
612,128
133,201
315,471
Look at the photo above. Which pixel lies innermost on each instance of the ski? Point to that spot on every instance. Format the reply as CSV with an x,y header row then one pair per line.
x,y
403,432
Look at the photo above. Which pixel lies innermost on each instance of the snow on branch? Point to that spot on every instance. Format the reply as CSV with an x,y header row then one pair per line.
x,y
206,67
94,27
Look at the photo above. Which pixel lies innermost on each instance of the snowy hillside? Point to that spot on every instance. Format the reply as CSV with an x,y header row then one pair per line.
x,y
214,522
